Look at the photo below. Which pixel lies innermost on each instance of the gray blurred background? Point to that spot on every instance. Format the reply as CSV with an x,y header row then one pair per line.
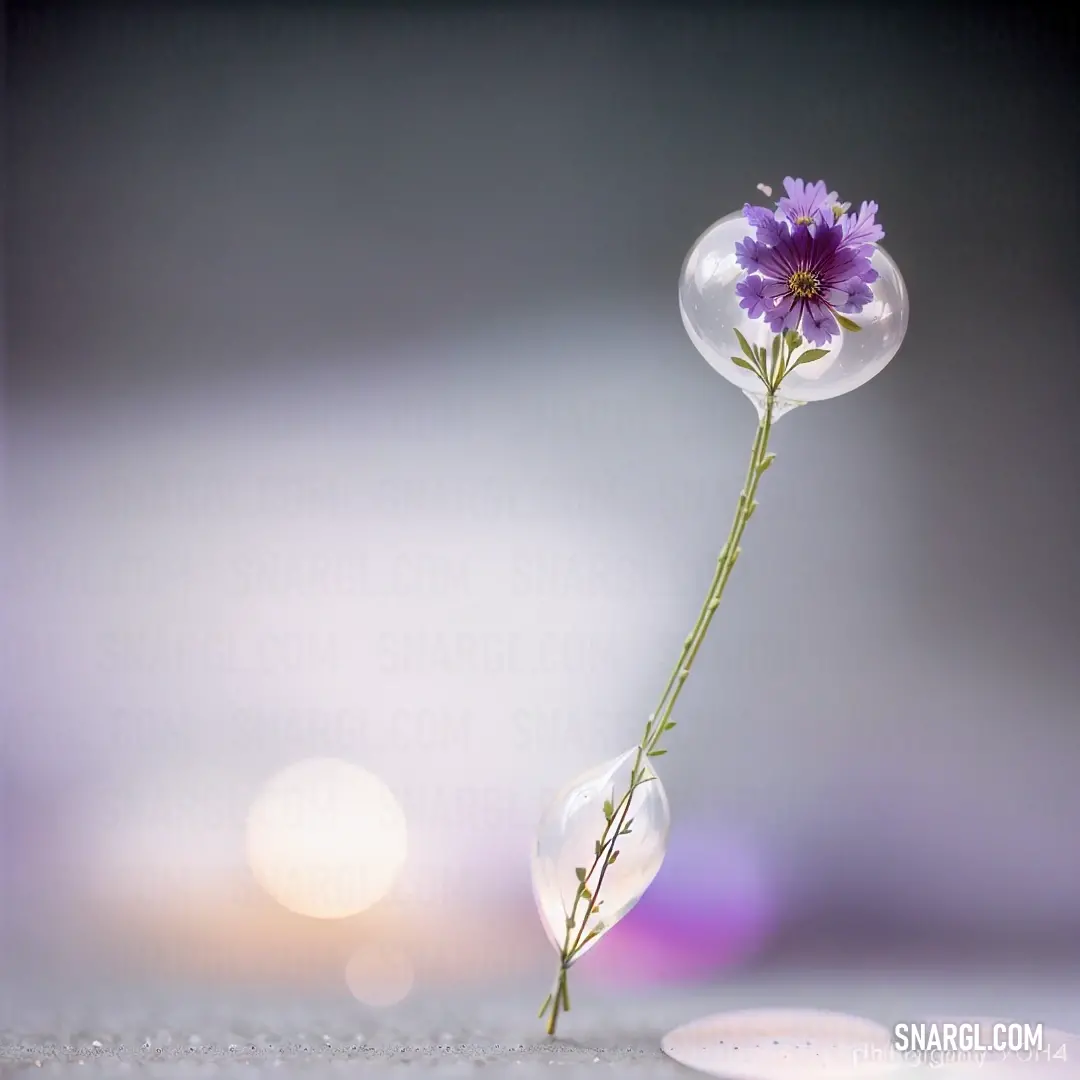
x,y
349,414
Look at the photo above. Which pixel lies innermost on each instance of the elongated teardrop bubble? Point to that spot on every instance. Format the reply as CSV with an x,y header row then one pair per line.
x,y
566,839
711,314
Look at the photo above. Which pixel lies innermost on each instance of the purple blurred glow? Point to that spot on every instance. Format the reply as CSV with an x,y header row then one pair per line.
x,y
710,908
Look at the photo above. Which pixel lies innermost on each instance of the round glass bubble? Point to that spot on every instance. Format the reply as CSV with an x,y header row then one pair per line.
x,y
711,314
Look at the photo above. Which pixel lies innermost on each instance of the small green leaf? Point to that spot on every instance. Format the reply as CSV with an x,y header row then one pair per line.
x,y
625,830
810,356
669,725
657,753
580,871
595,909
609,810
738,361
776,348
598,848
569,922
614,856
588,895
792,338
745,346
544,1008
766,461
846,323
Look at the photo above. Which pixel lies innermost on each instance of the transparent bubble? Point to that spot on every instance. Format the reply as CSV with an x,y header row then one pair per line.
x,y
566,840
711,313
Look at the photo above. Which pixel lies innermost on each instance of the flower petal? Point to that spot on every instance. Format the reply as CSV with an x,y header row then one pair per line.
x,y
752,300
803,200
774,264
861,228
769,229
756,215
827,239
818,325
785,316
841,265
748,253
795,250
850,297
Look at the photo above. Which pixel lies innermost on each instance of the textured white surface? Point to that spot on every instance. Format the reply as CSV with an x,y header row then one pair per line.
x,y
175,1032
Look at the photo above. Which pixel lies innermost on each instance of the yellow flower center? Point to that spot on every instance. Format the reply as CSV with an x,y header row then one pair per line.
x,y
803,284
804,220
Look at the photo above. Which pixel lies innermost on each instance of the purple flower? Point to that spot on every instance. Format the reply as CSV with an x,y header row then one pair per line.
x,y
807,204
808,262
801,281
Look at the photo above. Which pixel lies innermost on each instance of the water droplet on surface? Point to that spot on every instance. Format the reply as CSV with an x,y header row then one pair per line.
x,y
783,1044
566,841
711,313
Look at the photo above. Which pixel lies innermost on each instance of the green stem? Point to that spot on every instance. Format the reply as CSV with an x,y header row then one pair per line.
x,y
659,722
559,999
